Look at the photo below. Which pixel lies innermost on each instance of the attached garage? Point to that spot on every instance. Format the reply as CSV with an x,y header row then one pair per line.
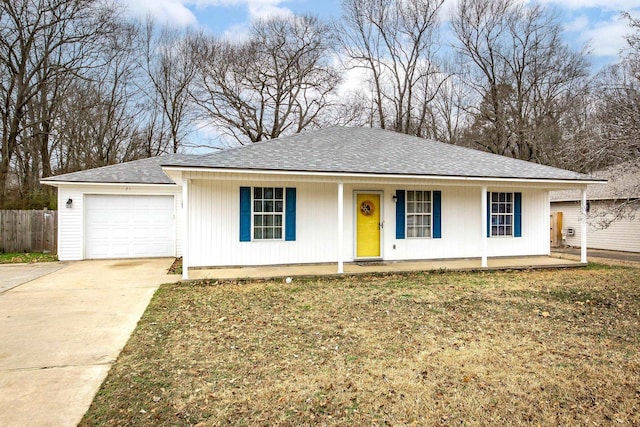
x,y
128,210
118,226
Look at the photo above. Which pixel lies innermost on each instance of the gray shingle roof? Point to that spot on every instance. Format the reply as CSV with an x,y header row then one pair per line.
x,y
372,151
145,171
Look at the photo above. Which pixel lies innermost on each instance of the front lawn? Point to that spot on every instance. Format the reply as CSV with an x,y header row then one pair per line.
x,y
556,347
12,258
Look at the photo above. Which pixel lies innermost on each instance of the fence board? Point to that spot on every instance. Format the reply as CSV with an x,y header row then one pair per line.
x,y
28,231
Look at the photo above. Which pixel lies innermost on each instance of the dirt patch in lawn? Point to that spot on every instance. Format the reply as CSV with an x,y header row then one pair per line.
x,y
520,348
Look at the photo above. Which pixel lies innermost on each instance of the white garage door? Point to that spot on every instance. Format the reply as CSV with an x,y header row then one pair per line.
x,y
129,226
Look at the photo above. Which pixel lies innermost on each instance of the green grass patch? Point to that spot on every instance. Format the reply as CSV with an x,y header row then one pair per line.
x,y
14,258
544,347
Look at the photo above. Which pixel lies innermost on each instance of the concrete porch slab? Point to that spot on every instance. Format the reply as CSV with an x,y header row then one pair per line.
x,y
330,269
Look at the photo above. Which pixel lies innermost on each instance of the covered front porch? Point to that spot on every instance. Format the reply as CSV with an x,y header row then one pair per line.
x,y
353,268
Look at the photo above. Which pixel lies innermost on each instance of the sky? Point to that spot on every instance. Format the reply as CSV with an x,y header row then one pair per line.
x,y
596,24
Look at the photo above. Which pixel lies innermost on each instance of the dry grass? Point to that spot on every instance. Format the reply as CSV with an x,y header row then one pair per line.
x,y
26,257
519,348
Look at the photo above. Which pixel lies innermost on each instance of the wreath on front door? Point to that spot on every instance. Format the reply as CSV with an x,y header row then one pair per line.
x,y
367,208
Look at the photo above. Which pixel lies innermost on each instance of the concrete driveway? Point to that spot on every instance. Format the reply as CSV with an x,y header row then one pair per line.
x,y
60,333
12,275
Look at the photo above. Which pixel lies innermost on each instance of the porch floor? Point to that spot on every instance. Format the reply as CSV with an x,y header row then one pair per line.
x,y
330,269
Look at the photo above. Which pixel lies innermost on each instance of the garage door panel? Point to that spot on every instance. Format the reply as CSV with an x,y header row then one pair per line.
x,y
129,226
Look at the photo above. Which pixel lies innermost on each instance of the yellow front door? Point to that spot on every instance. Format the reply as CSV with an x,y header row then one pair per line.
x,y
368,225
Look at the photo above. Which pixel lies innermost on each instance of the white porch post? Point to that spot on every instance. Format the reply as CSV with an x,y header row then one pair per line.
x,y
583,227
483,228
340,227
185,229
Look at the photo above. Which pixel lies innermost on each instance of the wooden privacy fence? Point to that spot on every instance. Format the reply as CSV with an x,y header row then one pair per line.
x,y
29,231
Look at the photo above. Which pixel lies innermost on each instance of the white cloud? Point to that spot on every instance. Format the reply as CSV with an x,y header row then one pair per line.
x,y
580,23
266,9
607,38
256,9
237,33
611,5
176,11
170,11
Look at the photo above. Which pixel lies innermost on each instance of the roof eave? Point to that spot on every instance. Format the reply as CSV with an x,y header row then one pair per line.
x,y
381,175
128,184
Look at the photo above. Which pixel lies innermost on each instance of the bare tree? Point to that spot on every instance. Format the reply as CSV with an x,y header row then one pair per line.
x,y
396,43
170,70
277,82
42,45
101,115
523,74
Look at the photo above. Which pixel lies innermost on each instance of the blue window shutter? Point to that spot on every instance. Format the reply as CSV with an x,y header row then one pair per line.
x,y
517,214
245,214
437,214
400,214
290,215
488,214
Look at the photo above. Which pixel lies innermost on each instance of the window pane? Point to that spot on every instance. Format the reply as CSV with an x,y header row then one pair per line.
x,y
279,193
257,193
495,197
257,220
268,206
277,233
503,197
508,231
410,196
279,205
268,233
268,220
277,220
411,220
257,206
509,197
257,233
418,196
268,193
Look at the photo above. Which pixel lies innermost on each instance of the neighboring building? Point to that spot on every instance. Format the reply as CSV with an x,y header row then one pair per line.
x,y
614,218
334,195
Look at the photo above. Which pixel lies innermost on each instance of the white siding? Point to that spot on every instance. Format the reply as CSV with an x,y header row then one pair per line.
x,y
71,237
70,224
214,224
622,235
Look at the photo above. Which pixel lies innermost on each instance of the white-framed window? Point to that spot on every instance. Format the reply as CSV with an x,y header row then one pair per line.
x,y
268,211
501,214
418,213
